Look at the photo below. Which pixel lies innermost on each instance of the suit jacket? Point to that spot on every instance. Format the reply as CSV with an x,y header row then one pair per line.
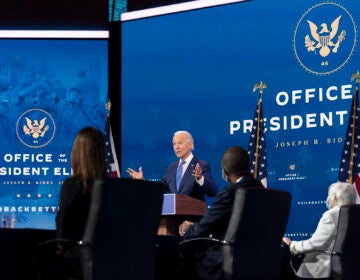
x,y
188,185
215,223
317,264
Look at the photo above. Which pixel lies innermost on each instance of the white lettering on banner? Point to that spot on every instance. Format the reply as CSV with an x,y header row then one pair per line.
x,y
311,120
235,126
31,171
26,171
332,93
28,157
308,120
28,209
58,171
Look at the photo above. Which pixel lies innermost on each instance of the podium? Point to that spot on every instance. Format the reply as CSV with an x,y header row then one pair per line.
x,y
176,206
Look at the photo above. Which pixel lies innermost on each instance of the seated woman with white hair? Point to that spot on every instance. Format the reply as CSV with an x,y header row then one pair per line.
x,y
316,263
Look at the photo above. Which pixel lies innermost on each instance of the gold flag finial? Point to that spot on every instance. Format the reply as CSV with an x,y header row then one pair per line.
x,y
108,106
261,86
356,76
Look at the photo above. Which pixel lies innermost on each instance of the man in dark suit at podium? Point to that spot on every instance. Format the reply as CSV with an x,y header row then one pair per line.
x,y
189,175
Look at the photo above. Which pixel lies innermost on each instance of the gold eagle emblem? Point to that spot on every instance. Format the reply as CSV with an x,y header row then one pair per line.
x,y
35,128
292,166
324,38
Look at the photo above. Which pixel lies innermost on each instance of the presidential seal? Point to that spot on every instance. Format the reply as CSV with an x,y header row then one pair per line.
x,y
35,128
325,38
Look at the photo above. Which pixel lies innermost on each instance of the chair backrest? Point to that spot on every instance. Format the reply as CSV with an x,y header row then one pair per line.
x,y
257,225
122,228
345,260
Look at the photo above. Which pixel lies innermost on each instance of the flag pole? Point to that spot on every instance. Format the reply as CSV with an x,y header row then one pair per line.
x,y
258,86
355,76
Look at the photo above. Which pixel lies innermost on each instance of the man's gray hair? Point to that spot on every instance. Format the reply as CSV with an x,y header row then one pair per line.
x,y
188,135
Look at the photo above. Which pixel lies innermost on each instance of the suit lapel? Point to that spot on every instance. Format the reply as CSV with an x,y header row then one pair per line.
x,y
188,174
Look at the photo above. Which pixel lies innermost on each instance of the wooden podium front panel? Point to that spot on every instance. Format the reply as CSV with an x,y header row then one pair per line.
x,y
167,226
176,208
186,205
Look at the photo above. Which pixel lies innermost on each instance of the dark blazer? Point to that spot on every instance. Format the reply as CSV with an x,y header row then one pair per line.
x,y
188,185
215,223
216,219
73,210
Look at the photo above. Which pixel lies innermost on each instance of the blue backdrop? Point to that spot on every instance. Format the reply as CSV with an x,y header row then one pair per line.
x,y
196,71
49,89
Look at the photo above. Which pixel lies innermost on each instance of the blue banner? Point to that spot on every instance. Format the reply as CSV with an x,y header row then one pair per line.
x,y
49,90
195,70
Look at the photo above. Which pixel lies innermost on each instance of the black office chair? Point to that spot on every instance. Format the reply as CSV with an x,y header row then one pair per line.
x,y
345,257
251,247
120,235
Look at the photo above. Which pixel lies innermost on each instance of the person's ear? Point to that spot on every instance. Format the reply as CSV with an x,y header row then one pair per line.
x,y
335,199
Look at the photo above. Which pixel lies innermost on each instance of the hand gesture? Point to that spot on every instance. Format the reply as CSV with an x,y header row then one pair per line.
x,y
136,174
197,172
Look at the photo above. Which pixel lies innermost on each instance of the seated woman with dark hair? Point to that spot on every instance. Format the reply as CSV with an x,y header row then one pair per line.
x,y
316,263
88,163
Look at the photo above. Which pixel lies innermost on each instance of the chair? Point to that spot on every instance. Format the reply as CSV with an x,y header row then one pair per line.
x,y
17,246
120,235
345,256
251,246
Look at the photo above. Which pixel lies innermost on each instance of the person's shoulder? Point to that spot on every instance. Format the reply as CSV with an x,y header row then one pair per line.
x,y
332,212
71,181
330,216
250,182
225,193
229,189
246,182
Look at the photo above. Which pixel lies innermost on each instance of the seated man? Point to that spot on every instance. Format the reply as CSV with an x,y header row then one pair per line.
x,y
236,171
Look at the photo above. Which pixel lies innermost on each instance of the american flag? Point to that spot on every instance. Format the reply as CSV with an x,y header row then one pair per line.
x,y
350,161
111,159
257,146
